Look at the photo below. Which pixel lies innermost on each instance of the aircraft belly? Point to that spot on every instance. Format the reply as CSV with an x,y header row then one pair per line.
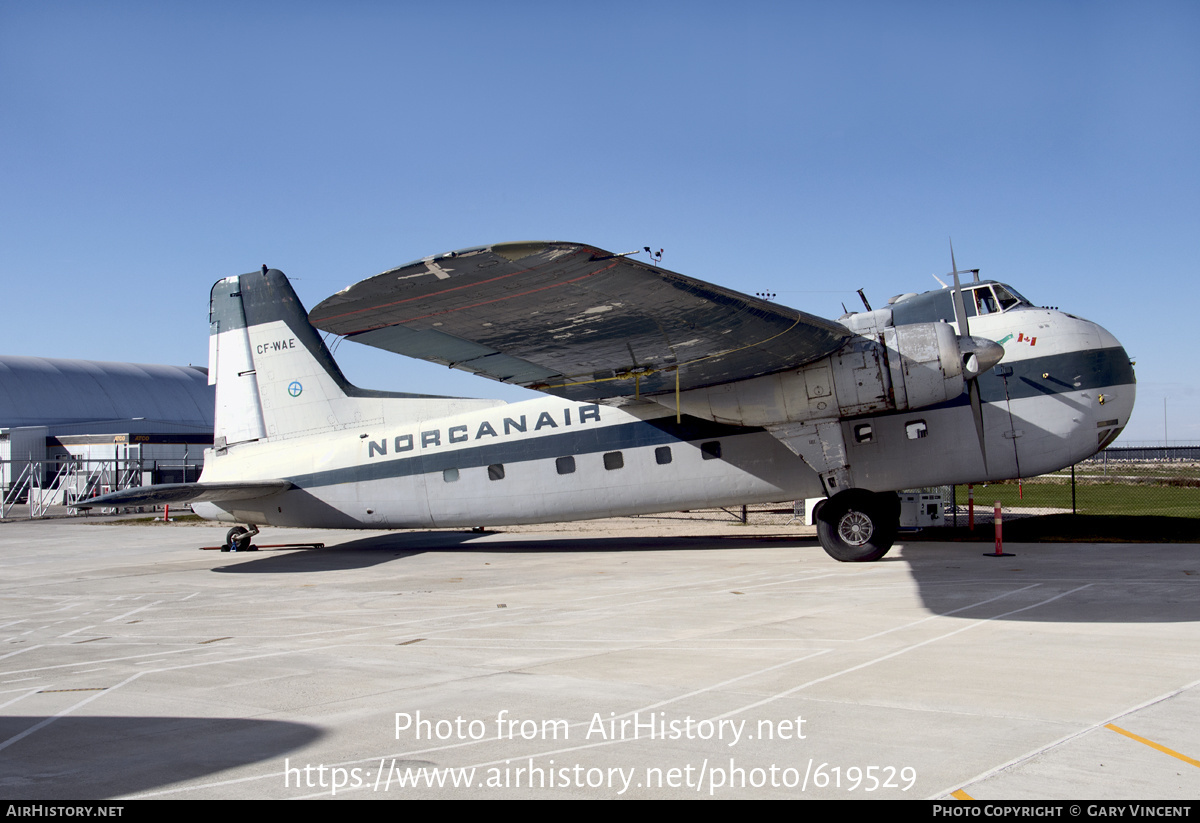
x,y
391,503
923,447
1045,433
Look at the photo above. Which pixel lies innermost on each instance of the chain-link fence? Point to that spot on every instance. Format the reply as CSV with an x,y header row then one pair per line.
x,y
785,513
1130,480
1161,481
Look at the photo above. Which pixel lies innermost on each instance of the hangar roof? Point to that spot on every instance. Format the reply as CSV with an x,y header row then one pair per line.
x,y
41,391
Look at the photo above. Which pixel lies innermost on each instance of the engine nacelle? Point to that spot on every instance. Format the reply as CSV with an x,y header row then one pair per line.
x,y
925,361
910,367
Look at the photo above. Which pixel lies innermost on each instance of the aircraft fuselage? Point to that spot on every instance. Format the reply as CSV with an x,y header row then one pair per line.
x,y
1063,390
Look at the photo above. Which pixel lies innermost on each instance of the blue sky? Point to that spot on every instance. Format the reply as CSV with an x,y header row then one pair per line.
x,y
149,149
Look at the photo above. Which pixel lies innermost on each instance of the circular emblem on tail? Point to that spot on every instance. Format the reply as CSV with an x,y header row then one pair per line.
x,y
294,388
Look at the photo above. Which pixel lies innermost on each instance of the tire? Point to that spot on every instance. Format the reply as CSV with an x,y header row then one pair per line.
x,y
237,540
858,526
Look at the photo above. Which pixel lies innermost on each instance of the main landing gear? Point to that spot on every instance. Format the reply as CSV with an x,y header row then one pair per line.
x,y
858,526
238,539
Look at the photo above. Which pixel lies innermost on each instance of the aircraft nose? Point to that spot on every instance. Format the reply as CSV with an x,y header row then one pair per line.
x,y
979,354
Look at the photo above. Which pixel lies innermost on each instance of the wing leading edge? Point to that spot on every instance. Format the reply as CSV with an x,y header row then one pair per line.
x,y
574,321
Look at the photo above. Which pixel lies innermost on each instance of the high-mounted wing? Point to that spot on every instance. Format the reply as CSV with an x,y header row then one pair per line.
x,y
574,321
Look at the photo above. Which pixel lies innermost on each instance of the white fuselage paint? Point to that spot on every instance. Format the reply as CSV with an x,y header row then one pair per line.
x,y
753,467
402,475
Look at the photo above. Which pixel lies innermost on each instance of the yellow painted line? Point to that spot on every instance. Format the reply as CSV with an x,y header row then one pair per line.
x,y
1153,745
961,795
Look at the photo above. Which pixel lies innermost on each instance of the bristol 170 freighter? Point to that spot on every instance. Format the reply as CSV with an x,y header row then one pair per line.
x,y
662,393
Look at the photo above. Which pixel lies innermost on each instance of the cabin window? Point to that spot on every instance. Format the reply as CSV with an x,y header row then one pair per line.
x,y
496,471
662,455
916,429
614,461
863,433
565,465
450,475
711,450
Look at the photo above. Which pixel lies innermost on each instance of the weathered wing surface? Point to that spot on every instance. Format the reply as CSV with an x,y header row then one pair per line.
x,y
574,321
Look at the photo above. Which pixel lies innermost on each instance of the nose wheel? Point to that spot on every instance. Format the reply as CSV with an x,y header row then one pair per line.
x,y
858,526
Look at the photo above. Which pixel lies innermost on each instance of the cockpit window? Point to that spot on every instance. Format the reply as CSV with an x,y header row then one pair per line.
x,y
978,298
1008,298
991,298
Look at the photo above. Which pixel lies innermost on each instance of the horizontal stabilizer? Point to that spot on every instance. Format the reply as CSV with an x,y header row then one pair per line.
x,y
168,493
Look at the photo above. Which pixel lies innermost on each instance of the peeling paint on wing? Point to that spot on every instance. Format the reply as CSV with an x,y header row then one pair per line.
x,y
570,309
436,270
518,251
431,267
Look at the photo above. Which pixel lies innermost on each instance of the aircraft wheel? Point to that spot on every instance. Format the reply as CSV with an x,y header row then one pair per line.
x,y
237,540
858,526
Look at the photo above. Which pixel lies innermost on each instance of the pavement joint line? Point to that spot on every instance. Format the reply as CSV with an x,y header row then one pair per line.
x,y
673,700
947,614
20,651
896,653
21,735
1066,738
38,726
411,754
135,611
27,693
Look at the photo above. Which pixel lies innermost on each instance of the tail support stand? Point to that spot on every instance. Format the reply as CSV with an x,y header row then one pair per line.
x,y
238,539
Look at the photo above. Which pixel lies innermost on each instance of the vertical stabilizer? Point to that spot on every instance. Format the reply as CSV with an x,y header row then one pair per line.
x,y
275,378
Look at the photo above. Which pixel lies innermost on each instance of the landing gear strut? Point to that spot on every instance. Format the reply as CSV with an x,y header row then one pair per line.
x,y
238,539
858,526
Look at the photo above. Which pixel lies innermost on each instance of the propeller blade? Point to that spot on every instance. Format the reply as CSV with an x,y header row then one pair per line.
x,y
979,354
977,413
960,310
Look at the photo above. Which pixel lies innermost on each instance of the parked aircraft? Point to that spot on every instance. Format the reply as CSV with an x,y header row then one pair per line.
x,y
662,393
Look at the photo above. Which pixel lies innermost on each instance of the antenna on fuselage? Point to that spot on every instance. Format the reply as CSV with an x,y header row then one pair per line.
x,y
863,297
